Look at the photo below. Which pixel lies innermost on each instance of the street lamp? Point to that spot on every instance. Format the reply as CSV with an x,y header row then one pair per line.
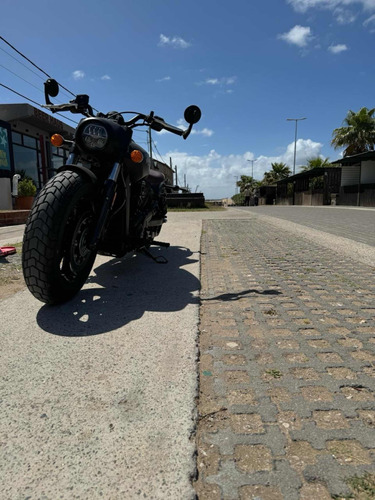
x,y
295,140
252,168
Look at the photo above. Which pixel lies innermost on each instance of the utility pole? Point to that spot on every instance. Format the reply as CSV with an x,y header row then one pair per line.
x,y
295,140
149,142
236,177
252,168
171,166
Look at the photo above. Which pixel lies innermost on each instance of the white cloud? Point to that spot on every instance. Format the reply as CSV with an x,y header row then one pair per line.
x,y
229,81
370,23
164,79
344,16
181,123
176,42
299,35
215,174
225,80
106,77
212,81
304,5
205,131
336,49
78,74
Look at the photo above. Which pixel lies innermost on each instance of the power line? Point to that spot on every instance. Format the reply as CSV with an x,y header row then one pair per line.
x,y
23,96
40,69
29,69
20,62
27,81
162,159
31,62
20,77
34,102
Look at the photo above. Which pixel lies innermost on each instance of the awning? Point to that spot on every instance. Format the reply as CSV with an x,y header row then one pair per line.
x,y
354,159
35,117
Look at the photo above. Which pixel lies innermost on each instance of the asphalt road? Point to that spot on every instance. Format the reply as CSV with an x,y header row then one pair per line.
x,y
357,224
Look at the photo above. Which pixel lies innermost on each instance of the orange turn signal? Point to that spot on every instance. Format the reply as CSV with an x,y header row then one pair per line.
x,y
136,156
57,140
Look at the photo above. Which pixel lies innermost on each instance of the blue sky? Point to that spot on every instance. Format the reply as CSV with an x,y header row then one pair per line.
x,y
249,65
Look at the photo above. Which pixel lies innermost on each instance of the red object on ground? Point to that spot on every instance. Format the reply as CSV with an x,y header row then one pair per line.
x,y
4,251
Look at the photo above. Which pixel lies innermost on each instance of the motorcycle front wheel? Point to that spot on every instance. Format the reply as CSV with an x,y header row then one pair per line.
x,y
56,257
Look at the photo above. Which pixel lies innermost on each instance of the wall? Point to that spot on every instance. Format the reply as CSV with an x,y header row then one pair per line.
x,y
5,194
13,217
368,172
349,196
349,175
186,200
306,198
284,201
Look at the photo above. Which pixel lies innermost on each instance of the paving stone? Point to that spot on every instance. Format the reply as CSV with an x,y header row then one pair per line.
x,y
253,458
287,366
261,492
247,423
314,491
330,419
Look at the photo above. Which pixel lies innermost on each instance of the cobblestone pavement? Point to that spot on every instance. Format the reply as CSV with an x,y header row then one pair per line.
x,y
287,365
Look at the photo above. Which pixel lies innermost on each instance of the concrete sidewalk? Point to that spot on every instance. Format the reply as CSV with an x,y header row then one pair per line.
x,y
287,356
98,394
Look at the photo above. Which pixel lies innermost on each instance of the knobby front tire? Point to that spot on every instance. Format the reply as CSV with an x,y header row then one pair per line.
x,y
56,258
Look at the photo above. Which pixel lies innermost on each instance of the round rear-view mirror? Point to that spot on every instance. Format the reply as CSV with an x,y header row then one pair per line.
x,y
52,87
192,114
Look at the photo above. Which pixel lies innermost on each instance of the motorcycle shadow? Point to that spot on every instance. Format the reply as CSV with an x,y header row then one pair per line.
x,y
121,290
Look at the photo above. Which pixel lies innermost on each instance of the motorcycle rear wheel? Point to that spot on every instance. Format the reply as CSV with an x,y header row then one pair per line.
x,y
56,257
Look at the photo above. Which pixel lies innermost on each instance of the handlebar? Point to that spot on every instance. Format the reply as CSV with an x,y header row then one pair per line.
x,y
81,105
60,107
156,123
166,126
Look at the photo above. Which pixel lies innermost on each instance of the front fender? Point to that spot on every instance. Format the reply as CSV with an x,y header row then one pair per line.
x,y
80,169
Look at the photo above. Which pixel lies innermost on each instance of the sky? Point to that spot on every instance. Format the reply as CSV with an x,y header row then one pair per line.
x,y
249,66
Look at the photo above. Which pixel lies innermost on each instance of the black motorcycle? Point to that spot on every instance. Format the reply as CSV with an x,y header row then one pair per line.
x,y
106,199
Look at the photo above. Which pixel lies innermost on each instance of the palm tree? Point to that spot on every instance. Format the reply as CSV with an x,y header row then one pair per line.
x,y
278,172
246,182
246,185
358,134
316,162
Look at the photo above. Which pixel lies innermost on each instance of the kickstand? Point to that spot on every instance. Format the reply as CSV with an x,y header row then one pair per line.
x,y
159,260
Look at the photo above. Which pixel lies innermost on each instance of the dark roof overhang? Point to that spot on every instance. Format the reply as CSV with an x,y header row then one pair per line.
x,y
355,159
314,172
35,117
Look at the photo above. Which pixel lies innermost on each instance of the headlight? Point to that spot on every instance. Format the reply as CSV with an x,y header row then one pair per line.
x,y
94,136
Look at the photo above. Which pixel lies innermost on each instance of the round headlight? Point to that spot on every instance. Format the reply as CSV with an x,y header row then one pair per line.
x,y
94,136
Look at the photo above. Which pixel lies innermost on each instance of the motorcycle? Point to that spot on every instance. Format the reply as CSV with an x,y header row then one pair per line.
x,y
105,200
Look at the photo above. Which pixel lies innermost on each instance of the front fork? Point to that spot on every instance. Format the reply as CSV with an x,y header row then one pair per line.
x,y
109,198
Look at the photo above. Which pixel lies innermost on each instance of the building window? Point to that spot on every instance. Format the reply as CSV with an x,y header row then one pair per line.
x,y
30,142
26,156
16,138
26,162
59,157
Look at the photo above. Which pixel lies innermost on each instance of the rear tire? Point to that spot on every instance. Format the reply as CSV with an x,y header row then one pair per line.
x,y
56,259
